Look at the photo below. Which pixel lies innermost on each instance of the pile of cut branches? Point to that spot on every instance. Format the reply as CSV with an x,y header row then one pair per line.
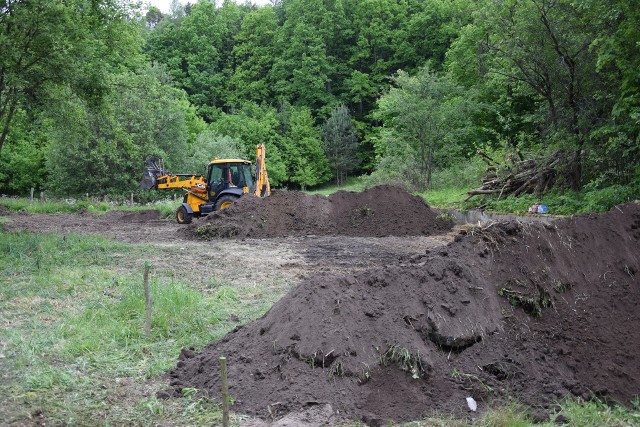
x,y
518,175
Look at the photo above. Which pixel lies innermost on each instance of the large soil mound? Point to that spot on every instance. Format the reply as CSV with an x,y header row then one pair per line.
x,y
537,312
380,211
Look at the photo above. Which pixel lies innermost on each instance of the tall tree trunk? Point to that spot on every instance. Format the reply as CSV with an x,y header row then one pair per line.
x,y
7,116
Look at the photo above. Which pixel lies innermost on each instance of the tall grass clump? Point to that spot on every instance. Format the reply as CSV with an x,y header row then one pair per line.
x,y
110,329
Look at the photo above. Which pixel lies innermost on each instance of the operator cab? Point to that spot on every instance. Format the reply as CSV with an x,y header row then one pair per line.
x,y
229,174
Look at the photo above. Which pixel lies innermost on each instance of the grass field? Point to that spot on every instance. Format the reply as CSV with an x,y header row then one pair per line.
x,y
73,351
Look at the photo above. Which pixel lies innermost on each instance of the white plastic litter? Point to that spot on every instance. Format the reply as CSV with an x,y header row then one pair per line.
x,y
472,403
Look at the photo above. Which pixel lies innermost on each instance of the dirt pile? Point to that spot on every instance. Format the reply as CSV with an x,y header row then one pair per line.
x,y
379,211
536,312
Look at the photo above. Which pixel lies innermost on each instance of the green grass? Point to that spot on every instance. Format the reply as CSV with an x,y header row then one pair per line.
x,y
450,187
54,206
71,333
167,207
445,198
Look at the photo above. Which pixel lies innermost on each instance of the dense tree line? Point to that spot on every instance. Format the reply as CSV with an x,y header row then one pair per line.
x,y
400,88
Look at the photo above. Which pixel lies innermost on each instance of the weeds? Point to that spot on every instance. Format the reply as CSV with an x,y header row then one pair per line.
x,y
471,379
72,333
404,359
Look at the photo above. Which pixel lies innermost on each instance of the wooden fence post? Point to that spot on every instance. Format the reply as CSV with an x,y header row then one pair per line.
x,y
147,295
31,197
225,391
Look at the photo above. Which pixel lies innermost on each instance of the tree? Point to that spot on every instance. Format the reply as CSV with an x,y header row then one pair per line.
x,y
45,43
253,124
209,145
426,118
300,73
153,16
545,44
100,149
253,55
191,50
340,143
302,150
22,158
617,151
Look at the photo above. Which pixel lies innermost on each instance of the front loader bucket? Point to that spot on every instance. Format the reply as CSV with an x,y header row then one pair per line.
x,y
153,169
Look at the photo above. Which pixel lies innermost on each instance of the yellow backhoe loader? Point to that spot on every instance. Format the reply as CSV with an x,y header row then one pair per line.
x,y
224,182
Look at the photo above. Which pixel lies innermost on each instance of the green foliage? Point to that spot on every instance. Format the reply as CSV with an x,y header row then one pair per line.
x,y
109,325
254,124
596,413
450,185
254,54
209,145
191,50
22,159
568,202
462,174
426,122
47,44
509,415
23,205
80,108
24,254
74,325
101,150
251,124
359,183
340,143
301,71
302,150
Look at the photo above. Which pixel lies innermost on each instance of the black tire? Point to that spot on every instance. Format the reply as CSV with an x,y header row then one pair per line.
x,y
225,201
183,216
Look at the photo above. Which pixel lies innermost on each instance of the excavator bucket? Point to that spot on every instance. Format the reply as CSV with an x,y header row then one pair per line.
x,y
153,169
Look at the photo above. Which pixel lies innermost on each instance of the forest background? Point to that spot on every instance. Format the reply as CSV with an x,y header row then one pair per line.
x,y
416,92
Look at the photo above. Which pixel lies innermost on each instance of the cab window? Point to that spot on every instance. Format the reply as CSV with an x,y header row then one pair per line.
x,y
216,173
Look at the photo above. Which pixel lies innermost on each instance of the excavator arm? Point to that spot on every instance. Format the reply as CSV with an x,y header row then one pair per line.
x,y
156,177
262,188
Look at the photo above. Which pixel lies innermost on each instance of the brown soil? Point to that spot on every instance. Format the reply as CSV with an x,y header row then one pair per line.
x,y
534,312
377,212
394,328
129,226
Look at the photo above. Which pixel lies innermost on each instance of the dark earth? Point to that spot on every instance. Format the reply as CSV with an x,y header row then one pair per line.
x,y
377,212
533,312
396,316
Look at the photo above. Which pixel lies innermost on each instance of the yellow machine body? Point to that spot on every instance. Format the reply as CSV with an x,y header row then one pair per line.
x,y
218,190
